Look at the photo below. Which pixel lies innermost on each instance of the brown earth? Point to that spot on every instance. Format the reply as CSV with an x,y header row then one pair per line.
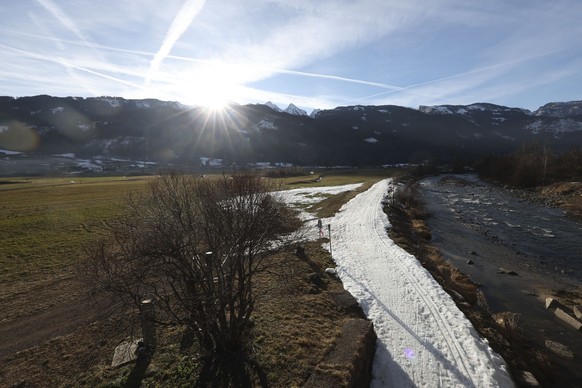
x,y
53,334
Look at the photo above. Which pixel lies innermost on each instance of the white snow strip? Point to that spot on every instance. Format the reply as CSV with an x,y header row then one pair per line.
x,y
424,340
8,152
310,195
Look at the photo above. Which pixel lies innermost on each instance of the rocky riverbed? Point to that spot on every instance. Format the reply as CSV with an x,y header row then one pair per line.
x,y
517,248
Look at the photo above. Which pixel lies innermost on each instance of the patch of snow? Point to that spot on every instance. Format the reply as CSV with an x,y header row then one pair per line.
x,y
476,107
364,118
371,140
3,128
211,162
355,127
114,102
86,127
443,110
88,165
311,195
67,155
500,119
461,111
142,104
265,124
273,106
7,152
435,109
358,107
58,109
535,127
35,112
293,110
423,338
383,111
377,132
314,113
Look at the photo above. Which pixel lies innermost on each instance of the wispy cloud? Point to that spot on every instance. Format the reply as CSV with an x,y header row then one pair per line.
x,y
308,52
181,22
68,64
60,15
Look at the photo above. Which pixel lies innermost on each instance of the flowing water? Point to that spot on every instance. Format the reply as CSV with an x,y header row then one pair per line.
x,y
481,228
544,240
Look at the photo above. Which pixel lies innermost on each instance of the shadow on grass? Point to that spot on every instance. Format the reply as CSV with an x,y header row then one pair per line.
x,y
231,370
137,373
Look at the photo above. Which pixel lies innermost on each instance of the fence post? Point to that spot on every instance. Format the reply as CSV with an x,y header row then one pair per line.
x,y
329,232
148,328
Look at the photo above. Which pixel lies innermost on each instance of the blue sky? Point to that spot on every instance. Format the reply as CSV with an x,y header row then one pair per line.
x,y
316,54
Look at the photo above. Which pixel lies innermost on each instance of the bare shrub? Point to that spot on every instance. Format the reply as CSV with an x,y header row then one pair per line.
x,y
194,246
509,324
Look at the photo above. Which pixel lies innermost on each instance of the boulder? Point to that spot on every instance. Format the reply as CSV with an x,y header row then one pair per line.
x,y
526,379
577,311
559,349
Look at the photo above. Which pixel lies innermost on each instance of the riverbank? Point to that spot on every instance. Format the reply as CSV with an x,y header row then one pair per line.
x,y
466,263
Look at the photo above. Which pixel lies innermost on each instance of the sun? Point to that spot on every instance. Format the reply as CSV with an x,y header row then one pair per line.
x,y
213,87
214,101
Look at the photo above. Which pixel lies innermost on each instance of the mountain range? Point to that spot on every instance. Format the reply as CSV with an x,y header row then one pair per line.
x,y
106,133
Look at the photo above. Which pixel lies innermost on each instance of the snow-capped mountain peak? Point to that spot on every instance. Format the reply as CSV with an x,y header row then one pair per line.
x,y
273,106
293,110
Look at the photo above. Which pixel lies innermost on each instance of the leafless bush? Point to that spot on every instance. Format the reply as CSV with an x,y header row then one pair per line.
x,y
194,246
509,324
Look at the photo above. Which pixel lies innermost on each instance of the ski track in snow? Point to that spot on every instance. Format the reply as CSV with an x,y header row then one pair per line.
x,y
424,340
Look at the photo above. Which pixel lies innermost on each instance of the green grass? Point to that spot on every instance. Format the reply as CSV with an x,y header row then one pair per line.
x,y
44,222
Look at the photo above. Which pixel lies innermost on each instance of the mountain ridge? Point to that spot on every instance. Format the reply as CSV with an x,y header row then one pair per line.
x,y
168,132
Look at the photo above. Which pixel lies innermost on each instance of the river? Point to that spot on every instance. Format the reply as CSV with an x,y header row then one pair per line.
x,y
481,228
543,239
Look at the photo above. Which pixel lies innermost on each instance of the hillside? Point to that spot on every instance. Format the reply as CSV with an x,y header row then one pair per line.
x,y
53,134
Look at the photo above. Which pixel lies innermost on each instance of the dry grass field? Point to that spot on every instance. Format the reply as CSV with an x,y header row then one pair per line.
x,y
51,335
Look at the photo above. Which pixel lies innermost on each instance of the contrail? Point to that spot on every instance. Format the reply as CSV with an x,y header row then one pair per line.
x,y
181,22
458,75
67,64
207,61
61,17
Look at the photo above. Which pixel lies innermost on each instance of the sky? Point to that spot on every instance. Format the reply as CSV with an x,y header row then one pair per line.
x,y
315,54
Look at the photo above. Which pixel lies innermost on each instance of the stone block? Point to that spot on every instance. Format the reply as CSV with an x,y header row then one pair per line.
x,y
551,303
125,353
577,311
570,320
349,362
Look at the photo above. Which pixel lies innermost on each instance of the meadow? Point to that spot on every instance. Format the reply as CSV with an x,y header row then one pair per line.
x,y
44,225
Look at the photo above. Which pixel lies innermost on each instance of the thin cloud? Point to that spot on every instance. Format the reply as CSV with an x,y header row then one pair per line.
x,y
181,22
62,17
69,65
264,70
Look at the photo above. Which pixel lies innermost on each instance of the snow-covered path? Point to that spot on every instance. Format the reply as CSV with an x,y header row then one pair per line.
x,y
424,340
